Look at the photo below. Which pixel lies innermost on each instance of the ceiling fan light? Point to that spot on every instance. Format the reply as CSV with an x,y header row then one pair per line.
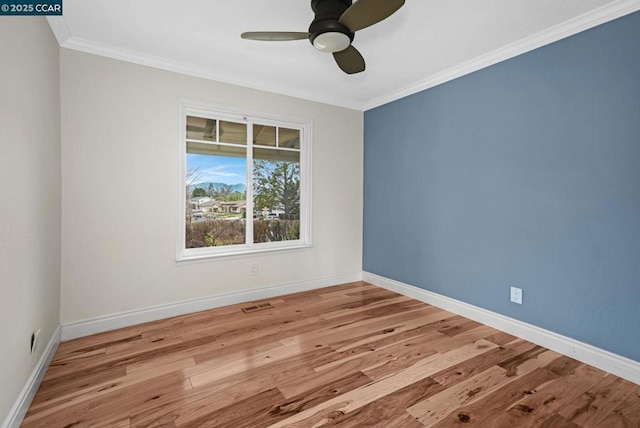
x,y
331,41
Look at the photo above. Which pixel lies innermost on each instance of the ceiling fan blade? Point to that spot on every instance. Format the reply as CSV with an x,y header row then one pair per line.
x,y
274,36
364,13
349,60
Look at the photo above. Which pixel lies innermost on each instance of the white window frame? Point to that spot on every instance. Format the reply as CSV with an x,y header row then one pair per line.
x,y
195,108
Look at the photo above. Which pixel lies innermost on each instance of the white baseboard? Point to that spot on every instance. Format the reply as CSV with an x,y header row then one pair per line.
x,y
125,319
604,360
19,409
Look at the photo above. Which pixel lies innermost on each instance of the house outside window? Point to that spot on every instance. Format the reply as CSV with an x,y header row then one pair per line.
x,y
245,182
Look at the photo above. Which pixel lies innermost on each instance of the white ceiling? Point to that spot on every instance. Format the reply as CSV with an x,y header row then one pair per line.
x,y
425,43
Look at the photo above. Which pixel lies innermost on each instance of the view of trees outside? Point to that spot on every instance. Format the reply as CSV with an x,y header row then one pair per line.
x,y
276,186
215,200
216,211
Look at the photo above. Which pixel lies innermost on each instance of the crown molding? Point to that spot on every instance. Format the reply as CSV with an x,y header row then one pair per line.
x,y
568,28
60,28
68,41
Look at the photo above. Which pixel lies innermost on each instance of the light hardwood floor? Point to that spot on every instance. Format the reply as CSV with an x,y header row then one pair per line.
x,y
353,355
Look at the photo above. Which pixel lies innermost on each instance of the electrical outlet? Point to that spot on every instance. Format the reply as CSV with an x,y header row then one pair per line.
x,y
34,341
516,295
253,270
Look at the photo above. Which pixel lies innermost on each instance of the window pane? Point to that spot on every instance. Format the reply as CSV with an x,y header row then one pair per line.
x,y
215,202
289,138
276,155
264,135
276,187
231,132
199,128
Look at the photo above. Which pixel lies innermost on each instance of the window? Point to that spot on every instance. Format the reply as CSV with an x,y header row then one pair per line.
x,y
245,183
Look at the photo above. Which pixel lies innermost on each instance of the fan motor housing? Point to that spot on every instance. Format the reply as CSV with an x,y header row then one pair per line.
x,y
327,13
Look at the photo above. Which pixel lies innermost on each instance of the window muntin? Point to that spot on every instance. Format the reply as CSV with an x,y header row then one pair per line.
x,y
245,183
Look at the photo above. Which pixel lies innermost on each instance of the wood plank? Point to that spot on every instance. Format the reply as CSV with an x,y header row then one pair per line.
x,y
362,396
492,405
557,421
379,335
357,328
99,363
250,412
480,363
108,407
501,338
428,331
223,393
389,411
461,327
214,370
62,387
598,402
373,416
125,423
438,406
107,388
296,386
626,415
537,407
472,335
474,388
311,398
406,351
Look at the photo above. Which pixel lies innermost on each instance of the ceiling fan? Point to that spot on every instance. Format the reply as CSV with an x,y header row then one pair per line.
x,y
333,28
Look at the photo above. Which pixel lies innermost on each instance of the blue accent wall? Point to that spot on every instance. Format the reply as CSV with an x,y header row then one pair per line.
x,y
526,174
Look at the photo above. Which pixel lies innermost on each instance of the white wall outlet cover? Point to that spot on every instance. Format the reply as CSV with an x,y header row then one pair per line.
x,y
516,295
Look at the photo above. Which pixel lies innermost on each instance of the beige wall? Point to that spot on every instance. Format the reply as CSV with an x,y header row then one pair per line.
x,y
30,197
120,184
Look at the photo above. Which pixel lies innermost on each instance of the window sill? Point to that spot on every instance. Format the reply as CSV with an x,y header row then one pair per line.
x,y
239,253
